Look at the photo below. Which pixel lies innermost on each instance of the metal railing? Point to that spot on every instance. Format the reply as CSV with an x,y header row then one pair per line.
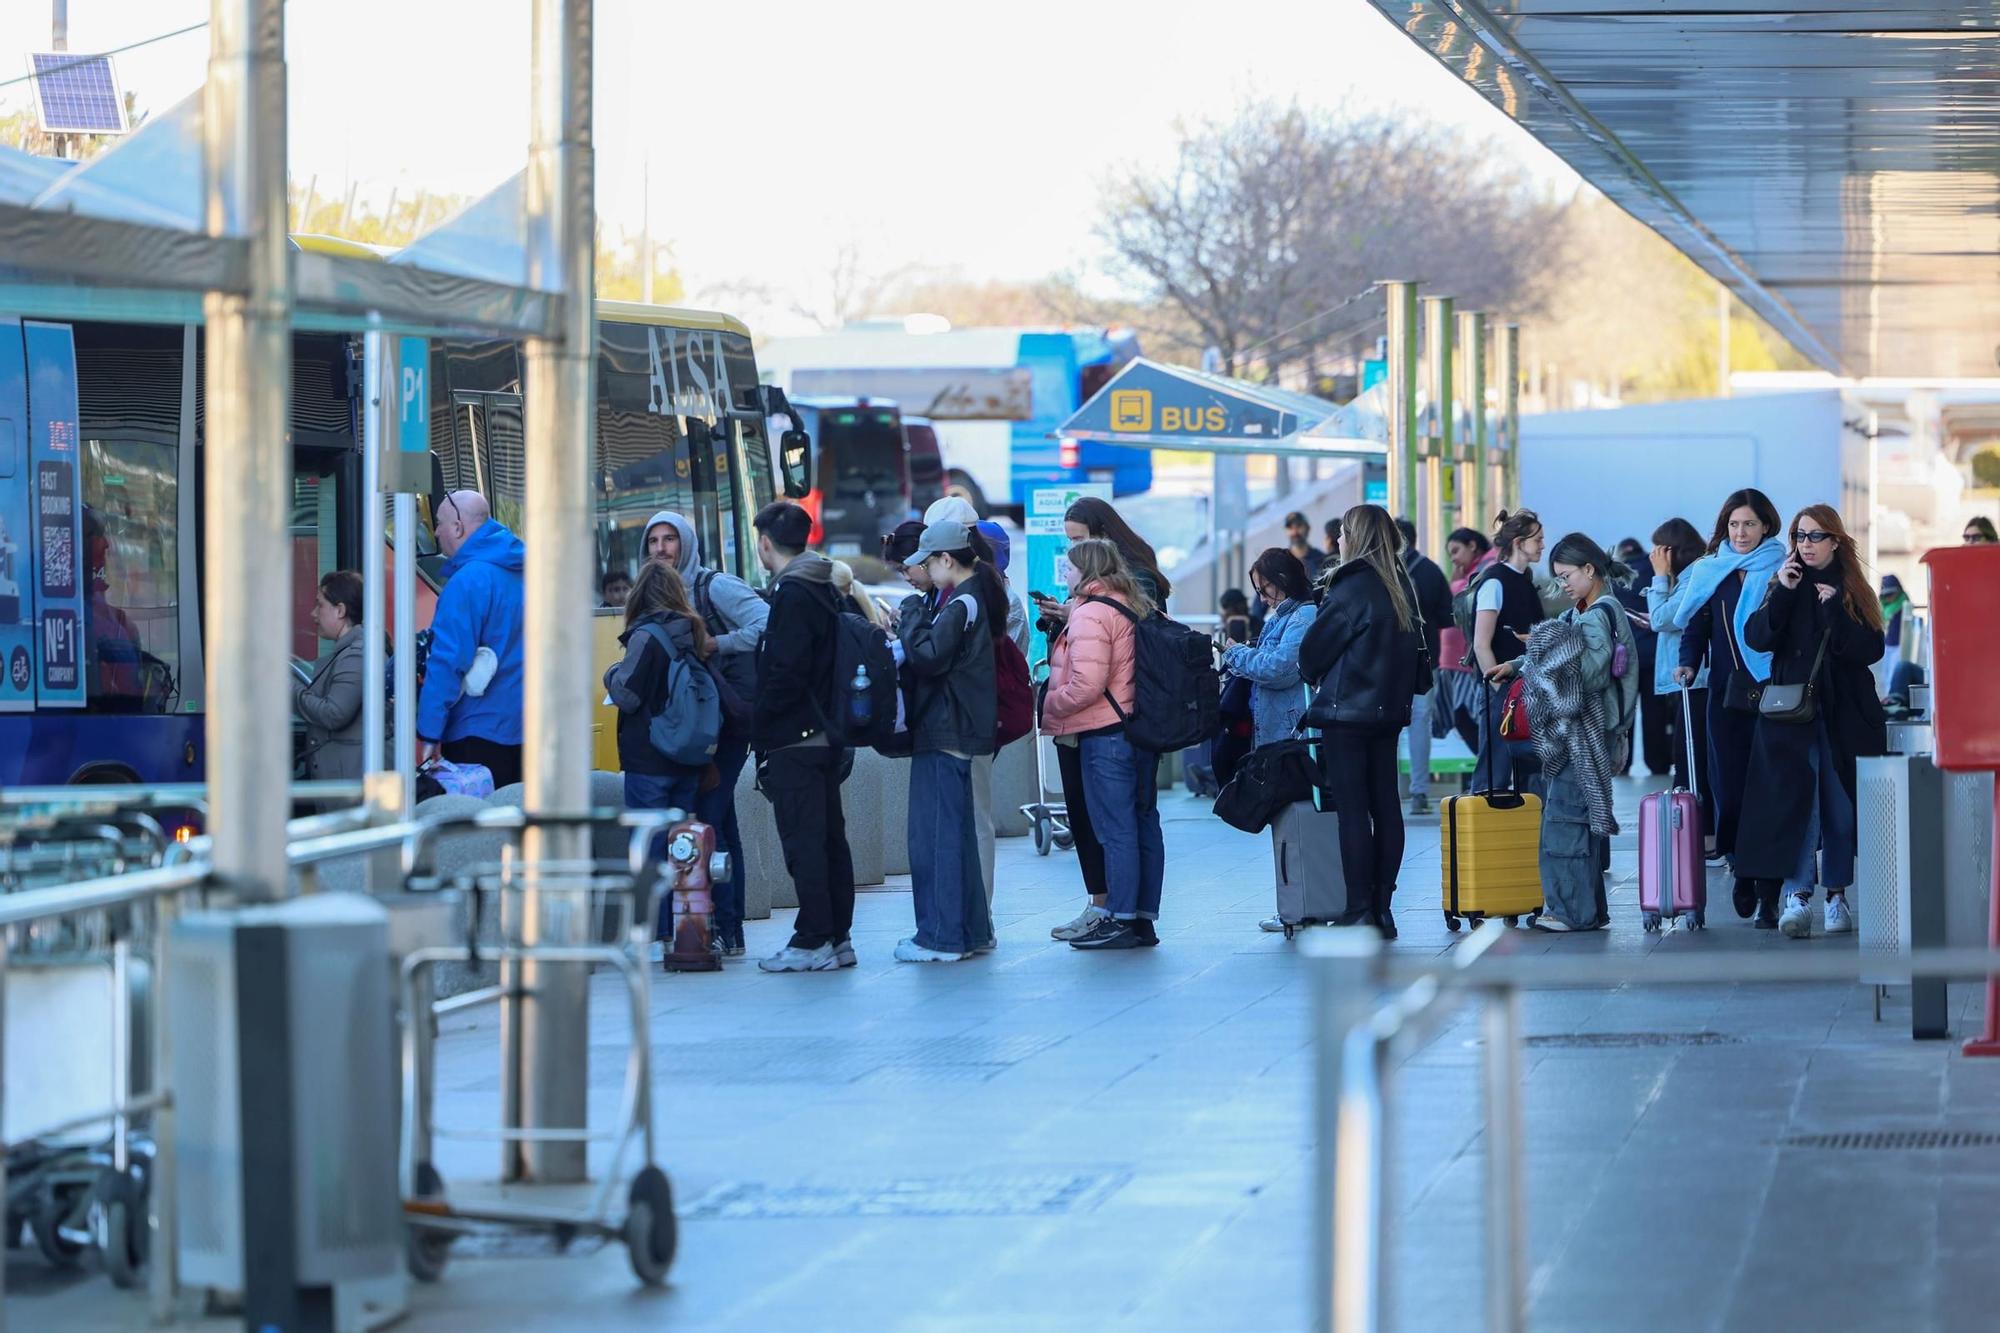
x,y
1372,1006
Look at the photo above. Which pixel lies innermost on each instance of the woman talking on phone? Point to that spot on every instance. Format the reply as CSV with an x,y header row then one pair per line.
x,y
1822,625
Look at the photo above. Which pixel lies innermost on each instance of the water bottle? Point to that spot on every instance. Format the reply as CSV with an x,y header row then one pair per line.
x,y
860,710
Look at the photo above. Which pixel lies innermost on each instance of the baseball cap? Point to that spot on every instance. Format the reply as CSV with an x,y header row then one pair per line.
x,y
996,537
946,535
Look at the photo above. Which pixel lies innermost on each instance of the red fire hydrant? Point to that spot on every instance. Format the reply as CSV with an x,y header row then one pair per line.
x,y
690,869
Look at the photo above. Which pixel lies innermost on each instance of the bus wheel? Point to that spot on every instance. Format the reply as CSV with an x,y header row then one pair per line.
x,y
961,484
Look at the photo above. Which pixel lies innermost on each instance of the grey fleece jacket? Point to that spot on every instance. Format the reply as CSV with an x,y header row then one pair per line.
x,y
742,612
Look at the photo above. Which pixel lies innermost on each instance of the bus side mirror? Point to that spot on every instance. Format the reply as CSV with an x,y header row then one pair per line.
x,y
437,481
794,446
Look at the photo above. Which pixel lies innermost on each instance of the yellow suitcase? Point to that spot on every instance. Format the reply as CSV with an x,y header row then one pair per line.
x,y
1492,844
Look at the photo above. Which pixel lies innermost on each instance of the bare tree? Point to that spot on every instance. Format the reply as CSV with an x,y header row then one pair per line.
x,y
1268,226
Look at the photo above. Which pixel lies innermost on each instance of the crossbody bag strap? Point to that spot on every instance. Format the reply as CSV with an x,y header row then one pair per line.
x,y
1812,677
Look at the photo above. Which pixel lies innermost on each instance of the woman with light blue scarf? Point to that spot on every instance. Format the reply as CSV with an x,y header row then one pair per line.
x,y
1710,605
1277,692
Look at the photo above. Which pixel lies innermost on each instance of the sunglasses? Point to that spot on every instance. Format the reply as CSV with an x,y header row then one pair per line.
x,y
1813,538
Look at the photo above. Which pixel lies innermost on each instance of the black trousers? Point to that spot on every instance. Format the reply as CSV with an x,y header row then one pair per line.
x,y
803,784
1731,732
1358,768
502,761
1659,719
1089,851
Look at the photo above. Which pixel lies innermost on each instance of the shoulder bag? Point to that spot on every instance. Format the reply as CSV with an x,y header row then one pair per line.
x,y
1795,703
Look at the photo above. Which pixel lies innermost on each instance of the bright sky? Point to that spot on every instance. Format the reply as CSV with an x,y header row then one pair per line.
x,y
950,136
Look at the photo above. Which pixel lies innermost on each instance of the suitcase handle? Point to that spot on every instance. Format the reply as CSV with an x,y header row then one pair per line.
x,y
1687,741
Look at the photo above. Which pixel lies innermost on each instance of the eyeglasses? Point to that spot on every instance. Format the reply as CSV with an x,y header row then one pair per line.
x,y
454,508
1813,538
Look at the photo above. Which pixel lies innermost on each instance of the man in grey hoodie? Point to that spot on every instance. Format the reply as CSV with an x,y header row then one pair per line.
x,y
735,614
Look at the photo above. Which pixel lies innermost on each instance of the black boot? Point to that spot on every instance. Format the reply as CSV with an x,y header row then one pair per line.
x,y
1767,903
1384,920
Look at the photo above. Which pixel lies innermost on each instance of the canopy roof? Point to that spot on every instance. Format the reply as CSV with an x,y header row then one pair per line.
x,y
1832,161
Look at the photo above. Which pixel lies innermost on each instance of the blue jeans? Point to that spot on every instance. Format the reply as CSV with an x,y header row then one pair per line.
x,y
718,809
1122,788
1420,744
948,890
1831,842
650,791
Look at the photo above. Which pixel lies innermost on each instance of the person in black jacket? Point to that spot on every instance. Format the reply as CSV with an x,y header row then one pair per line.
x,y
1656,720
1433,592
1361,653
637,683
1507,607
798,767
1822,625
947,656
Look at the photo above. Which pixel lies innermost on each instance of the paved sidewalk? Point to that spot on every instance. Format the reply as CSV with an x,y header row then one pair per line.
x,y
1053,1141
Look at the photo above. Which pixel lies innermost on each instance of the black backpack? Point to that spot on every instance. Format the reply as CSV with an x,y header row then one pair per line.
x,y
1177,699
863,707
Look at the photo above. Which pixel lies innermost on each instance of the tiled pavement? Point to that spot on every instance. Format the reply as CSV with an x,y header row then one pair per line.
x,y
1050,1141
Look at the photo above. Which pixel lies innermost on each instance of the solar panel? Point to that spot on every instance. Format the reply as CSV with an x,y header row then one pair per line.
x,y
77,94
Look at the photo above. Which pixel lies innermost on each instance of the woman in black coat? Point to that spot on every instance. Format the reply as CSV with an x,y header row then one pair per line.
x,y
1822,625
1361,654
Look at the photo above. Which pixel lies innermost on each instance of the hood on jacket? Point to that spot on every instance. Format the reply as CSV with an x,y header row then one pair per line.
x,y
690,560
807,567
680,632
490,544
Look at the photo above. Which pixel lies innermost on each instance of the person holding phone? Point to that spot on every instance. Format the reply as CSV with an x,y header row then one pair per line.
x,y
1710,605
1822,625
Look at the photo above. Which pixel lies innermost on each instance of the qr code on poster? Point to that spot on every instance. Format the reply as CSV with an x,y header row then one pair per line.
x,y
58,557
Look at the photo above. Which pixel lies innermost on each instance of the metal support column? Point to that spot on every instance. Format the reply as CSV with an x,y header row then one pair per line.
x,y
1472,511
1506,1169
1510,417
546,1076
1349,1244
1402,388
378,375
1442,418
247,475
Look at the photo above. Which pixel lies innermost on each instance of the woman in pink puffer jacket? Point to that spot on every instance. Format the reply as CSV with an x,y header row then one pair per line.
x,y
1090,690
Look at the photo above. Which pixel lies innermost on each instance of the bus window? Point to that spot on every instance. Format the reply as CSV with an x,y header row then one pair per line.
x,y
492,445
131,637
315,552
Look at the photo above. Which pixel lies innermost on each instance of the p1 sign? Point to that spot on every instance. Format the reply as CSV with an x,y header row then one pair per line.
x,y
399,378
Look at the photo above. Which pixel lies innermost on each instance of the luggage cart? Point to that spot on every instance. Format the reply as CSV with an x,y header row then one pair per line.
x,y
1049,820
627,893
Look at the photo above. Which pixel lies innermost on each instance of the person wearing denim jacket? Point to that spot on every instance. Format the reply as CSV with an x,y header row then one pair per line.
x,y
1271,665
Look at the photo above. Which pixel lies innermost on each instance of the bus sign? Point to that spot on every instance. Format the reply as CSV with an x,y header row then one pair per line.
x,y
62,565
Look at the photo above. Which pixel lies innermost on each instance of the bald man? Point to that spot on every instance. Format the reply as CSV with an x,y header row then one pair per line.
x,y
470,707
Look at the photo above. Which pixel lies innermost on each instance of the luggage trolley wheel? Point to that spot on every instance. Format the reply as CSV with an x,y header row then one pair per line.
x,y
118,1222
1045,833
1064,840
429,1249
652,1233
44,1224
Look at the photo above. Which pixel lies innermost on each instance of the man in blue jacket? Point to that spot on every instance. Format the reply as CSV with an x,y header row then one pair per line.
x,y
470,706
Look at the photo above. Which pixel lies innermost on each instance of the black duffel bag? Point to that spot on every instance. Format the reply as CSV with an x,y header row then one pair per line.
x,y
1270,778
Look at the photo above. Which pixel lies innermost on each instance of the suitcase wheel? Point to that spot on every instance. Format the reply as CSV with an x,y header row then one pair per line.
x,y
1514,920
1290,930
1450,922
1652,922
1700,919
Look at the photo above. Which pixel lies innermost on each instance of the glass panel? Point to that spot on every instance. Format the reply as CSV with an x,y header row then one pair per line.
x,y
315,553
507,461
132,648
643,467
754,490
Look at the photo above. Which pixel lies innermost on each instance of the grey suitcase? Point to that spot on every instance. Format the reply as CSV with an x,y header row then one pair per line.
x,y
1305,852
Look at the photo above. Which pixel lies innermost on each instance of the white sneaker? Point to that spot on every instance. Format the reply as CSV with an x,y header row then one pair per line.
x,y
909,951
1795,922
1839,920
789,959
1085,922
1274,924
843,953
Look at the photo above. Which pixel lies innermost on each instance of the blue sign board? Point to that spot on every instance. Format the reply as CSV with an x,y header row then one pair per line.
x,y
61,562
1374,370
1048,545
1147,403
413,395
1375,493
17,543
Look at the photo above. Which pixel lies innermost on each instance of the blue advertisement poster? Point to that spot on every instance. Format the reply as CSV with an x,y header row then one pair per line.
x,y
57,531
1047,545
17,599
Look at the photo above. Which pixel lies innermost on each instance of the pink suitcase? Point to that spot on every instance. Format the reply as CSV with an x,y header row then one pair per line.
x,y
1673,880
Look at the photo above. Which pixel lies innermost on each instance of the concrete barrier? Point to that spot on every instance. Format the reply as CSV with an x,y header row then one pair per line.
x,y
1013,787
861,798
765,881
893,817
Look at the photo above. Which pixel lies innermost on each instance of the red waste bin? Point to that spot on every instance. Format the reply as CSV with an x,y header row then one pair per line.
x,y
1965,703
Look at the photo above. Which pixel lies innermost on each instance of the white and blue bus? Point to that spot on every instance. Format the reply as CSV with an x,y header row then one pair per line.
x,y
995,395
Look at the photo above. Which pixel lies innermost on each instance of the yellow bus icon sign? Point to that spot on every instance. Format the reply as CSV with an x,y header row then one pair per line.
x,y
1132,409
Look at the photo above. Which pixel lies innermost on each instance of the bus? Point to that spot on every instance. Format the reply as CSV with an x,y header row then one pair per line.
x,y
996,396
861,473
101,511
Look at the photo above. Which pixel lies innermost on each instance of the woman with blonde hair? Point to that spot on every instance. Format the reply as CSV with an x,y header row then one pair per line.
x,y
1363,653
1092,686
1818,714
